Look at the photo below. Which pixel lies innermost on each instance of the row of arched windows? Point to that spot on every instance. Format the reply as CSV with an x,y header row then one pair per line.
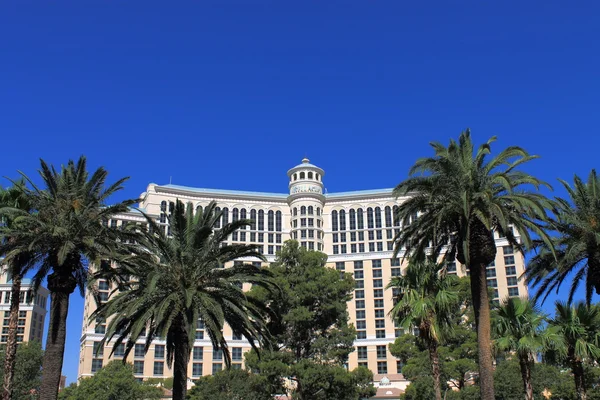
x,y
356,218
308,175
306,211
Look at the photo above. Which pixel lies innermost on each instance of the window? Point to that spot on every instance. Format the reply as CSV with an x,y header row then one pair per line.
x,y
271,220
159,351
261,222
379,334
378,303
371,235
342,220
362,352
217,355
511,281
513,292
96,364
138,367
310,175
378,283
343,249
490,272
353,248
396,272
360,304
225,215
382,367
318,210
303,210
216,368
377,217
361,325
492,283
388,216
334,220
310,210
198,353
361,335
507,250
512,270
236,353
377,273
377,293
138,350
103,285
352,219
336,250
98,349
360,314
379,314
360,219
395,262
196,370
359,294
509,260
371,247
236,336
159,368
357,284
379,323
358,265
340,266
381,352
278,221
376,263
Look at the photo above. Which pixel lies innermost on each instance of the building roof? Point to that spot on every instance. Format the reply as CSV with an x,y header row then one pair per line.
x,y
224,191
306,164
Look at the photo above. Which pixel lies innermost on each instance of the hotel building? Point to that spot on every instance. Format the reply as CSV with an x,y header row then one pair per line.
x,y
32,310
355,229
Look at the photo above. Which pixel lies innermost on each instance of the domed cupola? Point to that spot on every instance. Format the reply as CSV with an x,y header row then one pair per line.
x,y
306,202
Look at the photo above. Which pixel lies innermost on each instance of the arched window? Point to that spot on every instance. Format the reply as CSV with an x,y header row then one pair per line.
x,y
316,175
225,216
388,216
295,176
318,211
377,217
360,219
189,207
198,209
295,211
310,175
163,218
163,206
218,221
310,210
171,206
370,218
253,219
235,215
278,221
352,216
334,220
303,210
271,221
301,175
342,220
243,215
261,220
396,218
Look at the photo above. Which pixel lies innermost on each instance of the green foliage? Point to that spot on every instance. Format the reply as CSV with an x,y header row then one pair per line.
x,y
28,370
167,383
310,328
419,389
233,384
113,382
575,245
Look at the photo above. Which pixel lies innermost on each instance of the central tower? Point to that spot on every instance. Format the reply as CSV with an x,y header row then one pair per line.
x,y
306,202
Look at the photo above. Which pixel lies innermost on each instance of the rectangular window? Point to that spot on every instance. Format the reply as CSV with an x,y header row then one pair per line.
x,y
507,250
217,355
376,263
379,323
159,351
512,270
199,335
336,249
371,246
380,334
335,238
382,367
360,304
377,283
378,303
358,265
196,370
96,364
395,262
159,368
377,273
357,284
311,222
379,246
120,350
98,349
361,325
353,236
353,248
379,235
360,314
361,335
138,350
377,293
379,314
138,367
342,237
216,368
362,352
103,285
361,247
198,353
513,292
381,352
343,249
359,294
490,272
361,236
492,283
371,235
511,281
509,260
236,353
396,272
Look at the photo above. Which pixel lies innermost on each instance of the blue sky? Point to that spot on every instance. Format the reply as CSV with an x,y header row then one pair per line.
x,y
230,94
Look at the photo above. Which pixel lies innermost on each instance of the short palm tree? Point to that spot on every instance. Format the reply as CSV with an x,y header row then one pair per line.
x,y
578,326
576,244
427,299
520,327
461,198
177,281
67,231
13,203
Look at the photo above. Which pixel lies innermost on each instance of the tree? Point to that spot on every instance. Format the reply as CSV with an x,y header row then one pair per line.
x,y
310,327
233,384
520,328
175,281
455,201
13,203
575,249
113,382
427,299
67,230
28,371
579,328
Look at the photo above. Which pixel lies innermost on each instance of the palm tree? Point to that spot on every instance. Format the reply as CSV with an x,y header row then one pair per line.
x,y
67,231
427,299
460,199
520,327
576,245
579,328
12,204
176,281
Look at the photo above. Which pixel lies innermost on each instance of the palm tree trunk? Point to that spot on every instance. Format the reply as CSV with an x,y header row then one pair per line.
x,y
11,343
525,365
577,368
435,368
60,288
481,308
182,358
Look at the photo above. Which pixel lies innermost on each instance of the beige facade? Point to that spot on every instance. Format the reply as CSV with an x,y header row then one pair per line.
x,y
32,310
355,230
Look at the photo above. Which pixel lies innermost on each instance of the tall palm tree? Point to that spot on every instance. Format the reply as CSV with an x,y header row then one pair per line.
x,y
461,198
579,328
576,244
67,231
427,299
12,204
176,281
520,327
